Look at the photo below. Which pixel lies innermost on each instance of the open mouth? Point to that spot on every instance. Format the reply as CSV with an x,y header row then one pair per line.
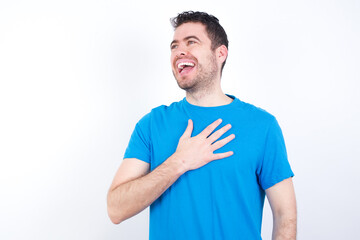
x,y
185,67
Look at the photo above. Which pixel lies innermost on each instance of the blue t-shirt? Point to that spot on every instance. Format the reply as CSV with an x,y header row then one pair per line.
x,y
223,199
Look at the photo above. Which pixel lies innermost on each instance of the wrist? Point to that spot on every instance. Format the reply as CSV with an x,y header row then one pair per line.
x,y
176,163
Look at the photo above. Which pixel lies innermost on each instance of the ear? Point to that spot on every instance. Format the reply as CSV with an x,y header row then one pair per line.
x,y
222,53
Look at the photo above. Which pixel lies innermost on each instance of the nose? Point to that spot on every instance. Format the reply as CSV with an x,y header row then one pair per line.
x,y
181,50
180,54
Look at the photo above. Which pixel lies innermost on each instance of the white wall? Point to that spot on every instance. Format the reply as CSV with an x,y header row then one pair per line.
x,y
77,75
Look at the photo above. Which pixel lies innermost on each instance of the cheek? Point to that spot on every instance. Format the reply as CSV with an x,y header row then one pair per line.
x,y
172,57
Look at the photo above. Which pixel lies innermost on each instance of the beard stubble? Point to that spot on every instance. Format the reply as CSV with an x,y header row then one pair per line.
x,y
204,78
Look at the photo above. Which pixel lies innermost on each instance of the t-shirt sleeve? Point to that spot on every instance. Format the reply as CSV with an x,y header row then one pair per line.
x,y
140,142
275,166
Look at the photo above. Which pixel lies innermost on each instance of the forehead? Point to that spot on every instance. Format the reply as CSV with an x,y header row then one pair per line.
x,y
191,29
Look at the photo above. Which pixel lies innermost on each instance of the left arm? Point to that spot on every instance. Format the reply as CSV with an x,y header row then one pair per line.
x,y
282,201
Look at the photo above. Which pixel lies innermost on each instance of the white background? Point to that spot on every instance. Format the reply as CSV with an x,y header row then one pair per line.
x,y
77,75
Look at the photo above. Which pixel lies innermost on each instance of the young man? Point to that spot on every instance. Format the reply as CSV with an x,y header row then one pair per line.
x,y
204,164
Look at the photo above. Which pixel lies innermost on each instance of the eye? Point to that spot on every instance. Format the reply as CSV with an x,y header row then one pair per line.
x,y
173,46
190,42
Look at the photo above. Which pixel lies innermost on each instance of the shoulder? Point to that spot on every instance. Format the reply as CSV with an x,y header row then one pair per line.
x,y
160,111
168,111
165,108
255,113
262,121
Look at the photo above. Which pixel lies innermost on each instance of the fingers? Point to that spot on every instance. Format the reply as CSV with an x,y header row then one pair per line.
x,y
209,129
188,129
216,135
222,142
218,156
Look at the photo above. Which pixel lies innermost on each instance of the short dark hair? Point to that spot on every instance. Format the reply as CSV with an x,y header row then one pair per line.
x,y
213,28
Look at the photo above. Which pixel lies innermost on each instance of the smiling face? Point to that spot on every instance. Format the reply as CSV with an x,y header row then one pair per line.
x,y
194,64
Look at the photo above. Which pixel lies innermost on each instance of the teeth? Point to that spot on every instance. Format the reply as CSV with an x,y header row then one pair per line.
x,y
183,64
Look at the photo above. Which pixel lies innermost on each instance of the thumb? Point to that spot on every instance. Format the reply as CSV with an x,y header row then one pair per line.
x,y
189,129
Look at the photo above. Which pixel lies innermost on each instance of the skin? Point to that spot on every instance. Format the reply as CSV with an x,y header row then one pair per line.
x,y
134,180
282,201
194,48
202,84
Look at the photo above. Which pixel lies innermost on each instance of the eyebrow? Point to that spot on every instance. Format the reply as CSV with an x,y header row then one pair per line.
x,y
186,38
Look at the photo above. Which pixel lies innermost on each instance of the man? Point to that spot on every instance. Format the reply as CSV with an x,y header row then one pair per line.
x,y
204,164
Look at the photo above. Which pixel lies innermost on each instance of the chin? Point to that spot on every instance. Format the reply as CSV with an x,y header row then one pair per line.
x,y
185,85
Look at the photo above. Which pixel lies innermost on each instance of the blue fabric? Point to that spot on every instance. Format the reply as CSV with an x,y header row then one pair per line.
x,y
223,199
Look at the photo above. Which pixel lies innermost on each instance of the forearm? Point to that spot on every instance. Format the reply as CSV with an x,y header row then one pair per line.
x,y
284,228
130,198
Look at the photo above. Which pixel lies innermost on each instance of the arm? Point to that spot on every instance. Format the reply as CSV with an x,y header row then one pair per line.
x,y
282,201
134,188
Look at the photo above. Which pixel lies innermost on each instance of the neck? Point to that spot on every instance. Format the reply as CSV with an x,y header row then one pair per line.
x,y
209,98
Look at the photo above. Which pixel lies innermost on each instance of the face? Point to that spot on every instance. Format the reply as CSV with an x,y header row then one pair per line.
x,y
194,64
